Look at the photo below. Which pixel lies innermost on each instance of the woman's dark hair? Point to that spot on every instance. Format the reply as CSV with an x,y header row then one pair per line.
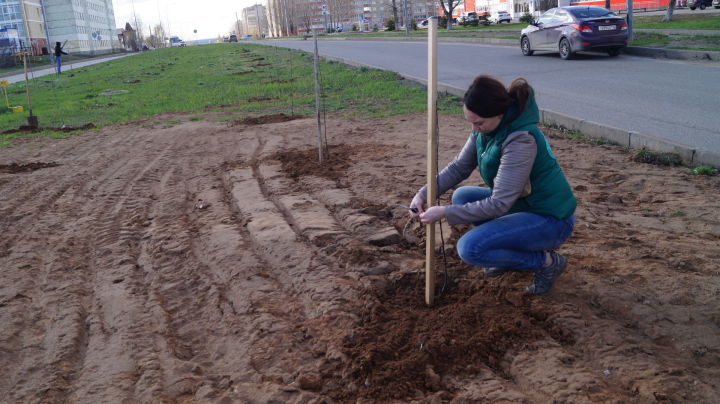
x,y
487,96
57,43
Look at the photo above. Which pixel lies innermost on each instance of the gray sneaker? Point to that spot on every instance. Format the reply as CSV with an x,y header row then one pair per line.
x,y
493,272
544,278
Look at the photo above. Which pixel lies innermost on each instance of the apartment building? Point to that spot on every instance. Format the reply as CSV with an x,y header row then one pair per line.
x,y
280,19
254,21
299,17
26,18
85,26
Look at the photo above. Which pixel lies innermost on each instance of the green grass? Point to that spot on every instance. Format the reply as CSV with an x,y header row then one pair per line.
x,y
673,41
704,170
650,38
680,21
571,134
218,77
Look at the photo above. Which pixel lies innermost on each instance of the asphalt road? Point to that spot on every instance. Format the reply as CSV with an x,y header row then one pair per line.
x,y
670,99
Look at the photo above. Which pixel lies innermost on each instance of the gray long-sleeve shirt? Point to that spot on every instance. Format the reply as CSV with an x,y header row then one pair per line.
x,y
512,181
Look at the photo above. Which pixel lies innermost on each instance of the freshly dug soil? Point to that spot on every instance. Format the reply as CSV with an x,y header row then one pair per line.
x,y
211,263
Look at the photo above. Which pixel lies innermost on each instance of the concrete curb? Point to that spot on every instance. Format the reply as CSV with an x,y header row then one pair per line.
x,y
679,54
623,137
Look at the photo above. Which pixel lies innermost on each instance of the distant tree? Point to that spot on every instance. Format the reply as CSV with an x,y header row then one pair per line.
x,y
448,7
390,25
669,14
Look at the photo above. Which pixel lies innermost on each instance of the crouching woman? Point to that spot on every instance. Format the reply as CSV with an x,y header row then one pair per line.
x,y
527,209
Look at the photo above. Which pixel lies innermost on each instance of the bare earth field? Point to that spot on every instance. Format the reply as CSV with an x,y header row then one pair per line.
x,y
210,262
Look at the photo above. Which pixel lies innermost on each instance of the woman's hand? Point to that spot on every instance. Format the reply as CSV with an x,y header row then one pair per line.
x,y
417,205
433,214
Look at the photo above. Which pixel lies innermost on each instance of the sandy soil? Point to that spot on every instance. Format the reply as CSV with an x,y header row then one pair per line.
x,y
214,262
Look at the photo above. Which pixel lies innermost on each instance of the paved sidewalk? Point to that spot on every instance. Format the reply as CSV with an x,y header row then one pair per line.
x,y
50,69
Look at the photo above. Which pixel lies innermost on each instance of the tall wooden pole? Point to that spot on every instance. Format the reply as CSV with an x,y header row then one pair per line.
x,y
431,160
317,99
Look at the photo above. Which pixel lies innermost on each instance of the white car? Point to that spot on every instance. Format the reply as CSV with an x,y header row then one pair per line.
x,y
498,17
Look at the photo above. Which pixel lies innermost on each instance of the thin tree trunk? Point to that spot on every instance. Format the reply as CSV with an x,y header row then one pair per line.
x,y
395,17
669,14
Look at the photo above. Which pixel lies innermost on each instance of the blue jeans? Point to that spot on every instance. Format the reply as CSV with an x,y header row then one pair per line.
x,y
517,241
58,64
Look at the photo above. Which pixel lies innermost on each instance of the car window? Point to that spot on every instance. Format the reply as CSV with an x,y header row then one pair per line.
x,y
561,16
547,17
592,12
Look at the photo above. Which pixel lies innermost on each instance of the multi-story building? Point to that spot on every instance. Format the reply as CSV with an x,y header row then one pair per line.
x,y
26,17
280,19
254,21
84,26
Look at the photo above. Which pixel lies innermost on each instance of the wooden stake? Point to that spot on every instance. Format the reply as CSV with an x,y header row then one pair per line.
x,y
317,100
431,160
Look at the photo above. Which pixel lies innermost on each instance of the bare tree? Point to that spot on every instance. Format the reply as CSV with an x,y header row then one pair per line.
x,y
157,39
448,7
303,13
394,8
669,14
340,11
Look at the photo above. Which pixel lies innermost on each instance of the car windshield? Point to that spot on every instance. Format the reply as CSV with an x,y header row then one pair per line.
x,y
591,12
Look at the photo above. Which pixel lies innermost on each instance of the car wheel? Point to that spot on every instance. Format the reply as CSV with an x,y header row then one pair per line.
x,y
692,8
702,6
613,52
525,46
565,50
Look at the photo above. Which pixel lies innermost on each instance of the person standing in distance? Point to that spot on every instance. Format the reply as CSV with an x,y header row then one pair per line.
x,y
58,56
527,209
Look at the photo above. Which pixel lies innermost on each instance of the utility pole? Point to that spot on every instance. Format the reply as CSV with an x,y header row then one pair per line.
x,y
630,20
237,24
406,18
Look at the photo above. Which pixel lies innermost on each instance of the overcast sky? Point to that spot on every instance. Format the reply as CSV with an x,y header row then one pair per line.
x,y
180,17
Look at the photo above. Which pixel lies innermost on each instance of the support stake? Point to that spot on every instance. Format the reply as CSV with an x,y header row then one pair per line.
x,y
431,160
321,154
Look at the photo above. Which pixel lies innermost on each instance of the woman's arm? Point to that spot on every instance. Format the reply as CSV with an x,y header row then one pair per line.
x,y
518,156
459,169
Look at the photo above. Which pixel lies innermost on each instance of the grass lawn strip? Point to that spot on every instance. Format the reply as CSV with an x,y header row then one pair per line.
x,y
232,78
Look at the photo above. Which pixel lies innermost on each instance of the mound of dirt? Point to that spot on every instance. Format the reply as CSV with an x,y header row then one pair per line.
x,y
265,119
401,342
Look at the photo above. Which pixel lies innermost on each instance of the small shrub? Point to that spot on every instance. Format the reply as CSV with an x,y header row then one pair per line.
x,y
375,28
659,158
704,170
354,28
390,25
526,18
413,25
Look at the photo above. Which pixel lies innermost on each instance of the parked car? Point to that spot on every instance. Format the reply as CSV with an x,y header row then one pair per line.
x,y
574,29
498,17
701,4
176,42
424,24
247,36
233,38
716,3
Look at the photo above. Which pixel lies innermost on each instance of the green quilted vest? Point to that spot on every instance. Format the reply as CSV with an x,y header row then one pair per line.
x,y
550,193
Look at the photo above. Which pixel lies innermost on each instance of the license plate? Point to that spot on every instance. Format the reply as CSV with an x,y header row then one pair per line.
x,y
606,28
